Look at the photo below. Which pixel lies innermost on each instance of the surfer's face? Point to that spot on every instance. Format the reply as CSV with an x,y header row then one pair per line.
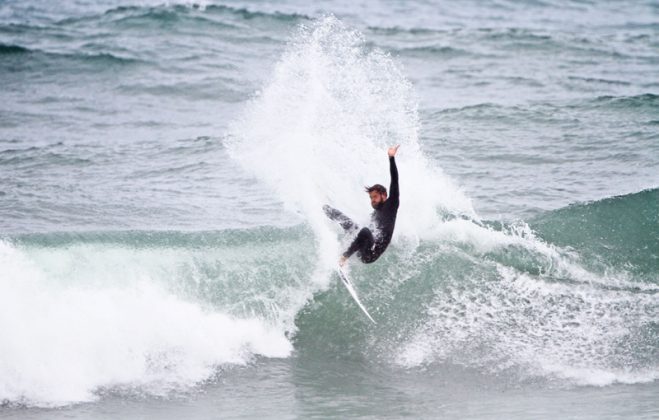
x,y
377,198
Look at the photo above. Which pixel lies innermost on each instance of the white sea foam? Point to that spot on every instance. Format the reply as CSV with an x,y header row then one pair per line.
x,y
63,339
586,334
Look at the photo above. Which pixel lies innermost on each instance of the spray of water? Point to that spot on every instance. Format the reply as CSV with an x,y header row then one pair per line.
x,y
319,131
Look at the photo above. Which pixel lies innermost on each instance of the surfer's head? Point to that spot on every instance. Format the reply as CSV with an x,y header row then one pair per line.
x,y
378,195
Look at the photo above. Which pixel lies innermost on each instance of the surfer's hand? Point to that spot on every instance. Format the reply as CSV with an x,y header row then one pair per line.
x,y
342,261
392,150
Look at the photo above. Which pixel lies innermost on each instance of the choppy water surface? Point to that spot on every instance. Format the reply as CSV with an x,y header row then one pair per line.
x,y
163,166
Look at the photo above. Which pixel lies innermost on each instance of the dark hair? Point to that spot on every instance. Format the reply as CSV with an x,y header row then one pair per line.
x,y
378,188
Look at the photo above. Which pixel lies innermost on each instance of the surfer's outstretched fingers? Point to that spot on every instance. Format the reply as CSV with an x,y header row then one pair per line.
x,y
392,150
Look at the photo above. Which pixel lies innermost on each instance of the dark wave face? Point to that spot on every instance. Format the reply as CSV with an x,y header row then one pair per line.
x,y
619,231
163,166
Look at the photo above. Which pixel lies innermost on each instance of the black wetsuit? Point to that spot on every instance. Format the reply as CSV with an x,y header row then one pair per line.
x,y
370,246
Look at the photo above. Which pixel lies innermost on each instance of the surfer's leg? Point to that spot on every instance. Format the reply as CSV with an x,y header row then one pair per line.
x,y
346,223
368,256
374,252
363,244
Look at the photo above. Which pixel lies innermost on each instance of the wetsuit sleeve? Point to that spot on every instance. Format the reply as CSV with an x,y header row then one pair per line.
x,y
354,246
343,220
393,188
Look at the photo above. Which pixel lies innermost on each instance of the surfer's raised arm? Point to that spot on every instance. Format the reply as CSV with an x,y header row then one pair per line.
x,y
393,188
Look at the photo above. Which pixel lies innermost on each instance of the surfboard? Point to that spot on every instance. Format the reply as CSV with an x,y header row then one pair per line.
x,y
351,289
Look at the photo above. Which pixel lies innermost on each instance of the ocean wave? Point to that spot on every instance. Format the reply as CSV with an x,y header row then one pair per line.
x,y
103,58
158,312
252,14
646,100
503,300
620,230
172,13
432,50
49,63
51,154
499,112
600,80
135,334
531,310
396,30
170,16
13,49
516,34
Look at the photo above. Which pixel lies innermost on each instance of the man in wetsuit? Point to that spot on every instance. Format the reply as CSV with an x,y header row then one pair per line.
x,y
370,245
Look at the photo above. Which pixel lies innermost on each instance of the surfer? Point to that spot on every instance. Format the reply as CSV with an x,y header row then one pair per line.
x,y
369,245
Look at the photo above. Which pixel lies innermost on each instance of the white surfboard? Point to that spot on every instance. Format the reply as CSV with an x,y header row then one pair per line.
x,y
348,284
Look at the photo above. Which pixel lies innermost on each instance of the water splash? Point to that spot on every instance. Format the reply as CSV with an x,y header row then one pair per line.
x,y
319,131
